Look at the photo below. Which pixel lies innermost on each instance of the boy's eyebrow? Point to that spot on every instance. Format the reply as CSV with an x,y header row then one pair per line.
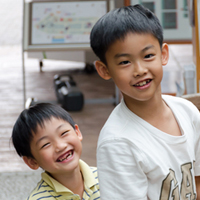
x,y
148,47
41,139
128,55
122,55
59,126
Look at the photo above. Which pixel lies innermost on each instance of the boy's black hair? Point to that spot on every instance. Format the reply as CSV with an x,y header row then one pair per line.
x,y
28,122
117,23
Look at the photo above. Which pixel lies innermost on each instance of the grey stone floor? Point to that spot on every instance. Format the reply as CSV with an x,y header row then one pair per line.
x,y
17,185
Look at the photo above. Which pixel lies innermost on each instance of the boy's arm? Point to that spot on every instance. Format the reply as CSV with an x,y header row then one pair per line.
x,y
119,171
197,180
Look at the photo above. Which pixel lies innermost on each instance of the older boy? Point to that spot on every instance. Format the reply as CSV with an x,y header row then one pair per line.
x,y
46,136
149,147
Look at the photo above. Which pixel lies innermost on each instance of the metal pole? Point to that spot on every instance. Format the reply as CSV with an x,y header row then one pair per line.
x,y
23,66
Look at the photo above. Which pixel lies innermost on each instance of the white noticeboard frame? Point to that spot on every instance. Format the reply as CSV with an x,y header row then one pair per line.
x,y
50,25
58,25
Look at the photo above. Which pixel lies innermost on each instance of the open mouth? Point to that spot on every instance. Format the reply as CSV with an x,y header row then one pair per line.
x,y
142,83
66,156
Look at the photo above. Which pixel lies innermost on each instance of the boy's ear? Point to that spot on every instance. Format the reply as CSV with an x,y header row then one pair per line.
x,y
165,54
31,162
102,70
78,132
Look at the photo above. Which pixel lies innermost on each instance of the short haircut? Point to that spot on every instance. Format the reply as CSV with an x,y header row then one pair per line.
x,y
28,122
117,23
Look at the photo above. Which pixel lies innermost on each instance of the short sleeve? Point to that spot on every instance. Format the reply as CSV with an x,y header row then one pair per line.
x,y
196,120
120,169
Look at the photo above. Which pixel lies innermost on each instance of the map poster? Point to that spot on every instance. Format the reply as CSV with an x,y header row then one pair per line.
x,y
64,22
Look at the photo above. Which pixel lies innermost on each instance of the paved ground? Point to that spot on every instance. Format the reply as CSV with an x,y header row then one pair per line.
x,y
18,185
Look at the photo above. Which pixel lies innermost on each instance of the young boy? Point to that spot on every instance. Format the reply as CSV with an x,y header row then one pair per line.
x,y
46,136
150,145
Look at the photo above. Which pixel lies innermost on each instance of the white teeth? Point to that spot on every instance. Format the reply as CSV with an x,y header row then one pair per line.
x,y
67,157
70,155
142,83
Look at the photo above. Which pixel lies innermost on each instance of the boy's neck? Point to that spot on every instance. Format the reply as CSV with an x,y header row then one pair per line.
x,y
73,181
157,113
153,111
146,109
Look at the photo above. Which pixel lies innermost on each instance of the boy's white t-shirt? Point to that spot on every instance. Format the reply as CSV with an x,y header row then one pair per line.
x,y
135,160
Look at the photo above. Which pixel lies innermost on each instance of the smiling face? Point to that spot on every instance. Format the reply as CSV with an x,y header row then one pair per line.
x,y
56,147
135,65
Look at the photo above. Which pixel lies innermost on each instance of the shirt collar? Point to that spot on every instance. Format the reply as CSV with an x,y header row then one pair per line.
x,y
86,171
88,176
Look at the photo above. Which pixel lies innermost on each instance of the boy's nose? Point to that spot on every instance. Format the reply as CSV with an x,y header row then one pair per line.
x,y
139,69
60,146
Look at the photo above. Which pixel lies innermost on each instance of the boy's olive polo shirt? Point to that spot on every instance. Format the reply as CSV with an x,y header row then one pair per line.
x,y
48,188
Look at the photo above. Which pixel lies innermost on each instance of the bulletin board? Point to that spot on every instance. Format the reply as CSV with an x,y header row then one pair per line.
x,y
195,10
61,24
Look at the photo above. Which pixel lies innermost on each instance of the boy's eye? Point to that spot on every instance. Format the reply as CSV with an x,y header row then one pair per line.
x,y
45,145
149,56
64,133
124,62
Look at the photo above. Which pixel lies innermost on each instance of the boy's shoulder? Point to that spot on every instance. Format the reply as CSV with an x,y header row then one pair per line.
x,y
179,102
121,116
121,110
42,190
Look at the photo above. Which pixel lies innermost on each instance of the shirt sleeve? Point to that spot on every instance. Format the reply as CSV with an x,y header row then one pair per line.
x,y
120,170
196,120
